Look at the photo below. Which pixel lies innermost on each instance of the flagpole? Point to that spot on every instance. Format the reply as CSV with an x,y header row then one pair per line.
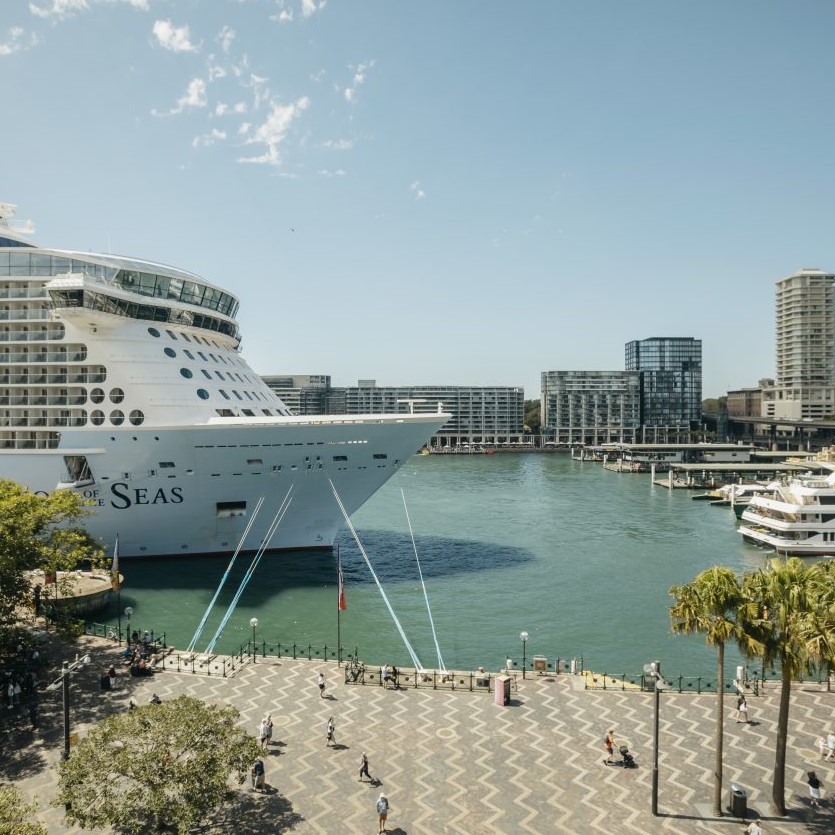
x,y
338,606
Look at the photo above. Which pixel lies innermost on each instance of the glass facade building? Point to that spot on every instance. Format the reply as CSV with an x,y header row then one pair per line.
x,y
670,371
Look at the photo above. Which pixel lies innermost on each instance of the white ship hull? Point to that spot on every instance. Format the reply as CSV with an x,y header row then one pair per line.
x,y
122,380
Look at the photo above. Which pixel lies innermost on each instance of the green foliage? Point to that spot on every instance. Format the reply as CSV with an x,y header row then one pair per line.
x,y
15,815
166,764
533,416
710,406
37,532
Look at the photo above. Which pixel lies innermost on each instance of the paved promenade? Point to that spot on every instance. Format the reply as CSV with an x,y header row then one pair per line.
x,y
454,762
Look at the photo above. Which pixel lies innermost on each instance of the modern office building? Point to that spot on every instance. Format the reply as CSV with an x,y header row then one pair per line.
x,y
303,394
804,385
671,380
488,415
480,414
591,407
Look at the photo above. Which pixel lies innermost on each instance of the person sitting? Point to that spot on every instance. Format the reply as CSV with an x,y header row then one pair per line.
x,y
156,700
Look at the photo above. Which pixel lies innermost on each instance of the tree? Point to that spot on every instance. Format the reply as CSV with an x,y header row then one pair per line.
x,y
15,815
533,417
157,765
709,605
37,533
779,617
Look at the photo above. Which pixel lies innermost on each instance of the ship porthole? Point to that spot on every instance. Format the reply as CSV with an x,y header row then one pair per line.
x,y
203,394
97,395
97,417
170,352
153,331
137,417
186,372
116,395
117,417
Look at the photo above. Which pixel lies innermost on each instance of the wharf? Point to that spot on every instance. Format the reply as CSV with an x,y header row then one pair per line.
x,y
710,476
456,762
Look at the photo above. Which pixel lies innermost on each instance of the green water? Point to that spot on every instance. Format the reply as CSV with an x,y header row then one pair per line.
x,y
578,557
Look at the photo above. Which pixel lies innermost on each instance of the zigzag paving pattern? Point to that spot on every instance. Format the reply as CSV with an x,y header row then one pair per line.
x,y
455,762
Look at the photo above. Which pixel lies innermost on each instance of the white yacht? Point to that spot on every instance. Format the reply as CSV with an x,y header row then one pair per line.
x,y
121,379
795,518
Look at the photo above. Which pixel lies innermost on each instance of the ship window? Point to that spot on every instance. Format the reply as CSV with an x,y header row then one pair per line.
x,y
166,465
172,334
186,372
203,394
170,352
247,412
136,417
153,331
225,412
247,395
116,395
206,374
229,509
380,455
185,336
117,417
202,356
219,375
254,461
237,395
266,411
340,457
97,395
97,417
223,394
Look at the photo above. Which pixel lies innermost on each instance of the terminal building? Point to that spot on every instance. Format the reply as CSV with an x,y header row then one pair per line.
x,y
489,415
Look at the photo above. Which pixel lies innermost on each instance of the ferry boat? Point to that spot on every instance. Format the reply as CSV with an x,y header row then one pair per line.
x,y
795,518
122,379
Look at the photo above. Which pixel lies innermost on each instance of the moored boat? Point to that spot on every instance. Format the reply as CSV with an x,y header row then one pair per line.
x,y
122,379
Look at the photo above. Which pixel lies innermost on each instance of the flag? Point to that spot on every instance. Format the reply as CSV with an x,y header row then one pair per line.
x,y
342,605
115,579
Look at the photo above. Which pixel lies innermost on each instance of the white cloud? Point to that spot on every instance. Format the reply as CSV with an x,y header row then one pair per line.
x,y
339,172
17,42
207,139
417,190
221,109
244,128
173,38
338,144
62,9
226,36
195,97
310,7
360,72
272,133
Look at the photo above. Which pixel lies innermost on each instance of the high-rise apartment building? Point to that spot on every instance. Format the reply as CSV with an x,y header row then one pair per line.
x,y
671,379
804,385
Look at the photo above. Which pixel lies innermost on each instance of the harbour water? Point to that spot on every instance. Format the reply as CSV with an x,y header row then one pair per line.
x,y
578,557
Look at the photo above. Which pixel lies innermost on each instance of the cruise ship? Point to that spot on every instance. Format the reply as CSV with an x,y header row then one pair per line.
x,y
122,380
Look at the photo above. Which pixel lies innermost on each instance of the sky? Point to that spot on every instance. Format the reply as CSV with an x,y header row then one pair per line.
x,y
450,193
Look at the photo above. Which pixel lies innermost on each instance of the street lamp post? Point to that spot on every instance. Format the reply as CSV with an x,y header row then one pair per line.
x,y
128,613
64,682
253,622
523,637
654,671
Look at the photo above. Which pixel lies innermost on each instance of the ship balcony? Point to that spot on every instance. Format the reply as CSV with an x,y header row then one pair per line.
x,y
56,379
23,293
23,315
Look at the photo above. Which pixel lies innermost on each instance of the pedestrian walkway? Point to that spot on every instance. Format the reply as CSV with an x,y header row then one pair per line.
x,y
458,763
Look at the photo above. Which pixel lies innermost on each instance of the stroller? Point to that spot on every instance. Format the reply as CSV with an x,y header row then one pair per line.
x,y
627,760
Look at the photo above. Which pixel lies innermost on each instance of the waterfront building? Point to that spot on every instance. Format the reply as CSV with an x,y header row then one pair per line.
x,y
670,371
591,407
491,415
747,401
804,386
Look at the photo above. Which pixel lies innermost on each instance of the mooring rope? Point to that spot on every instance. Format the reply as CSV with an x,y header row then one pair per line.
x,y
280,513
223,579
415,659
441,664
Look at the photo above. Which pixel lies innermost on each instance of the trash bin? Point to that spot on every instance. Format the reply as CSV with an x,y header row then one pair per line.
x,y
739,802
502,694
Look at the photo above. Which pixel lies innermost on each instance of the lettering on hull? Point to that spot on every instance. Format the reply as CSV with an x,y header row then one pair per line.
x,y
122,496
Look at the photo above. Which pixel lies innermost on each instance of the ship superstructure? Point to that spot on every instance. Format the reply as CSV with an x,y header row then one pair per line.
x,y
122,379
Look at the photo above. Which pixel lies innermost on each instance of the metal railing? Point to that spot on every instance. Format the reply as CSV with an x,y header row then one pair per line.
x,y
474,682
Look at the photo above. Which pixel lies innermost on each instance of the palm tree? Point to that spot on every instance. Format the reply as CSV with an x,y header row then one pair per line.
x,y
819,627
708,604
779,619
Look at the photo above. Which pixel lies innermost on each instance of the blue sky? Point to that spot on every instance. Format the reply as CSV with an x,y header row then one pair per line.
x,y
439,192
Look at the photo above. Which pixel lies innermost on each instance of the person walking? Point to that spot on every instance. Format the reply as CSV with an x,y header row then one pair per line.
x,y
265,732
258,775
815,787
320,682
382,812
364,768
330,734
609,745
754,828
830,746
741,710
